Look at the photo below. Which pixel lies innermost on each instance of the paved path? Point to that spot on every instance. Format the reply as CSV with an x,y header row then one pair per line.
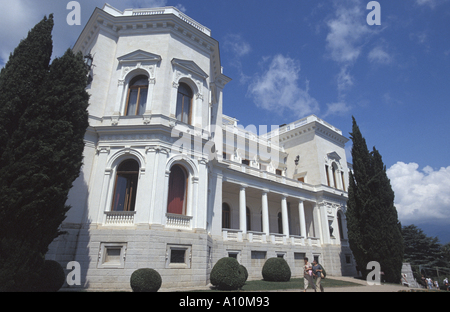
x,y
363,288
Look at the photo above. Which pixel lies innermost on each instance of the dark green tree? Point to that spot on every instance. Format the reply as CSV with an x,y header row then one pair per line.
x,y
44,108
373,228
421,249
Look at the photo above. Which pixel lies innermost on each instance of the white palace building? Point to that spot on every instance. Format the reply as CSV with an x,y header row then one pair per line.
x,y
171,183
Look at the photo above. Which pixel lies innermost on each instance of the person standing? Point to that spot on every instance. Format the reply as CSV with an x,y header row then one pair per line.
x,y
307,274
436,284
429,282
317,273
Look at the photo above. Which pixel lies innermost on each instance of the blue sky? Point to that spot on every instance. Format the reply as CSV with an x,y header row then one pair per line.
x,y
289,59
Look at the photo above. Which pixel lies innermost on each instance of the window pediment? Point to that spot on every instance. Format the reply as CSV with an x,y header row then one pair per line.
x,y
190,67
139,59
334,156
139,56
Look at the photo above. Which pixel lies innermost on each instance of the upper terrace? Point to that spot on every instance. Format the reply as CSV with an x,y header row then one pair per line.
x,y
157,11
277,131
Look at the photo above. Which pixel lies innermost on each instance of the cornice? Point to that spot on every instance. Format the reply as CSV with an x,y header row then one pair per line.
x,y
179,27
318,129
144,24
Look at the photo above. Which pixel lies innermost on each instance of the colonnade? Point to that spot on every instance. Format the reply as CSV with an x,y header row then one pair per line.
x,y
265,213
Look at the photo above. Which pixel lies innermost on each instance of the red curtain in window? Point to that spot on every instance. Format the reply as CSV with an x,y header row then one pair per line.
x,y
177,190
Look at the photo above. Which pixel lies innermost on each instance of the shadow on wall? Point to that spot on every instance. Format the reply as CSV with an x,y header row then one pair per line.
x,y
348,266
71,249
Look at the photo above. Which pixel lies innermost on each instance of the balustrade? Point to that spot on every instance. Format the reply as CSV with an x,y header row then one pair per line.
x,y
178,221
120,218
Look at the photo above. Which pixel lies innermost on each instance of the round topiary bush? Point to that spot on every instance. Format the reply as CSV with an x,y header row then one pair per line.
x,y
52,277
145,280
244,269
276,270
227,274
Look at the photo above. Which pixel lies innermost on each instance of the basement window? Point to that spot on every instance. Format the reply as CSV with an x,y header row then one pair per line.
x,y
112,255
178,256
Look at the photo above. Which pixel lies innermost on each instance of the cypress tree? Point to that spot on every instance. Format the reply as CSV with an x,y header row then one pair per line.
x,y
357,197
41,156
373,227
22,77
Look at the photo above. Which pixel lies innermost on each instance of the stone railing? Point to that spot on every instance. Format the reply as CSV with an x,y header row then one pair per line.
x,y
314,241
272,238
120,218
178,221
276,238
232,235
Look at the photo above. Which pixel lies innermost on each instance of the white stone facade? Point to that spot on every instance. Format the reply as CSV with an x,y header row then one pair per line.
x,y
247,196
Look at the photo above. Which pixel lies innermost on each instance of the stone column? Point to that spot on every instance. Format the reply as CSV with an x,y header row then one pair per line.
x,y
301,214
242,210
284,216
265,213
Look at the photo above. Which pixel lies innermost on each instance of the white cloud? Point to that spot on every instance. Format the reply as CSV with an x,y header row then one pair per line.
x,y
379,55
237,45
423,2
16,19
346,31
431,3
345,40
277,89
421,195
344,79
339,108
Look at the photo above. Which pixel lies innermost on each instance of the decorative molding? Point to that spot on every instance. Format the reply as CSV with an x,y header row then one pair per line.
x,y
114,121
334,155
190,67
157,149
103,149
139,57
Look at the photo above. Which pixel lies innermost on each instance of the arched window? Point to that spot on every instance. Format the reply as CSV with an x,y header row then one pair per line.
x,y
226,213
137,96
334,169
184,103
177,190
126,186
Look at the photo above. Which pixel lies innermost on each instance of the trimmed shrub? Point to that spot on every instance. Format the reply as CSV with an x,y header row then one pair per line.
x,y
244,269
228,274
276,270
145,280
52,277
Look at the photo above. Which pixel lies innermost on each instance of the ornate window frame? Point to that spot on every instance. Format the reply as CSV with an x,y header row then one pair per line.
x,y
131,65
191,74
110,172
332,160
192,181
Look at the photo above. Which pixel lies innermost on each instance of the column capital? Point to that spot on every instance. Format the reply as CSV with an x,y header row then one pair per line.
x,y
243,186
265,191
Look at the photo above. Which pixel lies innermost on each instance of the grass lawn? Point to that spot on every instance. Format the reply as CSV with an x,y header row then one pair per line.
x,y
294,283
